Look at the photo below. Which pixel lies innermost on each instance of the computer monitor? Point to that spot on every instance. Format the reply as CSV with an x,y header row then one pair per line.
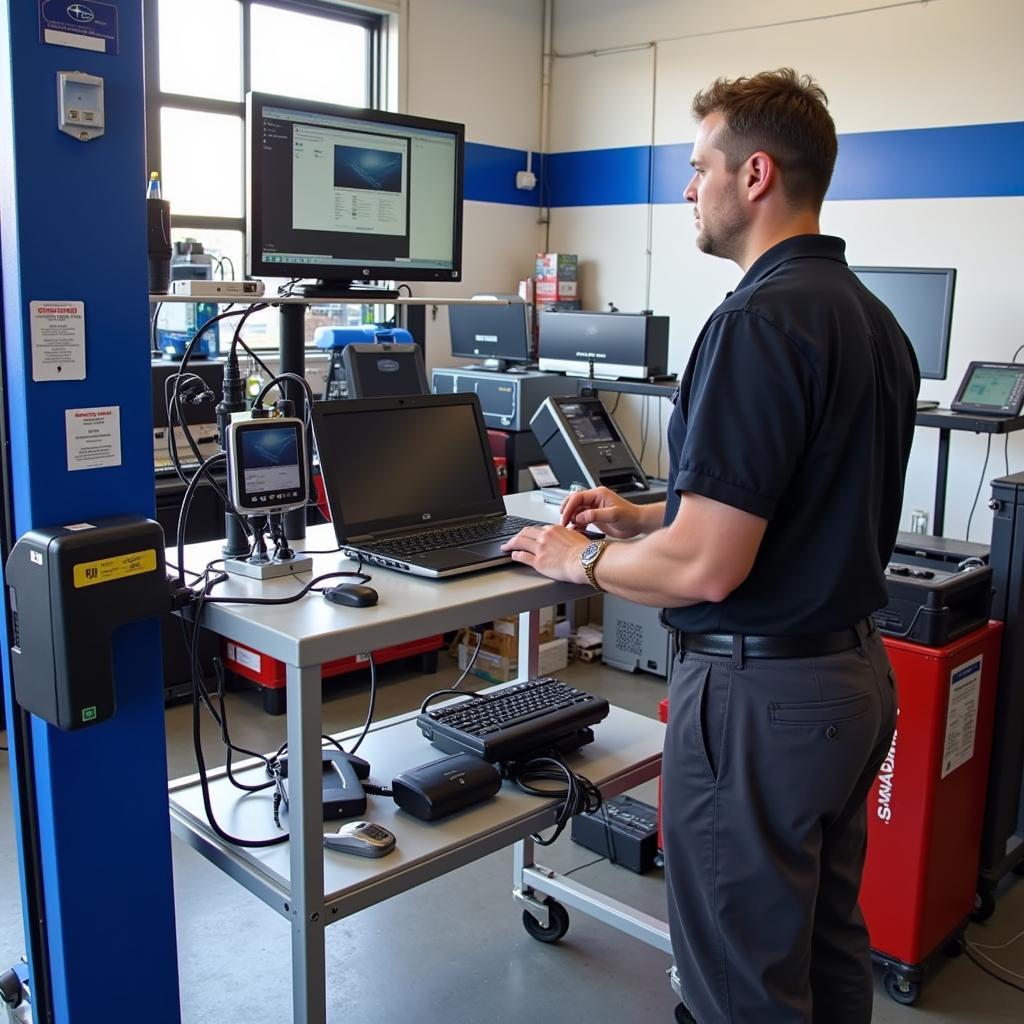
x,y
921,299
345,195
497,334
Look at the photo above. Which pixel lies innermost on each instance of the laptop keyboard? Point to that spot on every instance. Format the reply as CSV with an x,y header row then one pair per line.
x,y
452,536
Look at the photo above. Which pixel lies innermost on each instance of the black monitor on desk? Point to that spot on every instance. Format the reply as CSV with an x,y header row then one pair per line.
x,y
921,299
499,335
347,194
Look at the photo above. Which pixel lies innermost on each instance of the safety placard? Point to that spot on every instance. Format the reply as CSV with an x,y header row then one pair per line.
x,y
84,24
93,436
58,340
961,715
117,567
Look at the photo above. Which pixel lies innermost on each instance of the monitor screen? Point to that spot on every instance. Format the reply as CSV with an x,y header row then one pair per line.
x,y
921,299
390,463
588,421
377,371
345,194
491,332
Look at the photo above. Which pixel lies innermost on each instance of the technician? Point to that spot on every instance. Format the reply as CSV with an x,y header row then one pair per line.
x,y
788,450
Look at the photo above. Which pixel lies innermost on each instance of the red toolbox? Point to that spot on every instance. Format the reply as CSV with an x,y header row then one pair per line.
x,y
270,673
926,807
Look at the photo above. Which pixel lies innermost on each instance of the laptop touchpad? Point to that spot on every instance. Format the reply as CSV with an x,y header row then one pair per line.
x,y
490,549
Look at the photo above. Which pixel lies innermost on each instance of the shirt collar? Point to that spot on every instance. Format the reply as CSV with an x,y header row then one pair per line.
x,y
798,247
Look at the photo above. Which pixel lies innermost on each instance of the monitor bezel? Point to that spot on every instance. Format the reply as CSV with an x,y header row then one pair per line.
x,y
524,358
255,102
949,273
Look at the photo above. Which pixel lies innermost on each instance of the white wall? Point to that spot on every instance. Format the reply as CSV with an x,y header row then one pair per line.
x,y
478,62
947,62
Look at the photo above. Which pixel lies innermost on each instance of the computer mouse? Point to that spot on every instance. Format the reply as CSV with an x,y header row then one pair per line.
x,y
356,595
363,838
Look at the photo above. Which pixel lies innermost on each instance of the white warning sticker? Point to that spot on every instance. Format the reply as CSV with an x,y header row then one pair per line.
x,y
961,715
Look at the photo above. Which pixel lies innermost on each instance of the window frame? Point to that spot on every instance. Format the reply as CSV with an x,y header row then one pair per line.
x,y
156,99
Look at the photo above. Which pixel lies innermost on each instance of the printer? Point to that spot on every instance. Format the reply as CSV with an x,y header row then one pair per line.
x,y
631,345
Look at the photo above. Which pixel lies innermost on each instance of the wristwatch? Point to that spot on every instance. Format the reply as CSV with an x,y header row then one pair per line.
x,y
589,558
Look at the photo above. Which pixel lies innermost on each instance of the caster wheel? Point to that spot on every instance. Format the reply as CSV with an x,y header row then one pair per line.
x,y
954,947
558,922
659,859
901,990
683,1015
984,906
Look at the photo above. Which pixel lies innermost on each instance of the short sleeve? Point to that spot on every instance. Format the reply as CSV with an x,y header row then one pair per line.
x,y
750,414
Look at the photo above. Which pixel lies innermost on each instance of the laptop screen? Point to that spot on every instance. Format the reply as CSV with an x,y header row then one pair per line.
x,y
390,463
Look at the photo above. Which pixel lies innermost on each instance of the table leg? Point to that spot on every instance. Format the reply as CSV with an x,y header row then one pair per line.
x,y
529,641
306,826
941,474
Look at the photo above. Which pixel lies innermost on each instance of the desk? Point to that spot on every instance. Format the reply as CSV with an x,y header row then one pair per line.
x,y
312,888
946,420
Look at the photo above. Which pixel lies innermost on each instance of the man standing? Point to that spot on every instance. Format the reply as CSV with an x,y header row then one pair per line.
x,y
788,450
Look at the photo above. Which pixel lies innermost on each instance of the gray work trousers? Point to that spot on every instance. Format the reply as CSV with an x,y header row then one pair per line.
x,y
767,767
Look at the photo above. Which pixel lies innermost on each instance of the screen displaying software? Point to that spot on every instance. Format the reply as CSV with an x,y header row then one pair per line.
x,y
270,460
343,192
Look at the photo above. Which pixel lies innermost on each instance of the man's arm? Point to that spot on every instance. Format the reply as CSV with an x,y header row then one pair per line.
x,y
704,554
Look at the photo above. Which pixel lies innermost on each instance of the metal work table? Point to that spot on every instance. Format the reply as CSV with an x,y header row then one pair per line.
x,y
312,888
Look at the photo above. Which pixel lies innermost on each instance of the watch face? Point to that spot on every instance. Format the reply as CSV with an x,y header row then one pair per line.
x,y
590,551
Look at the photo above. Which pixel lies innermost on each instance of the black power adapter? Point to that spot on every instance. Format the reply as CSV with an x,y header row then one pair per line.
x,y
445,786
624,830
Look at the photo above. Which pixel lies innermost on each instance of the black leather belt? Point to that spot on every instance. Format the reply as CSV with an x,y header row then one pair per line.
x,y
726,645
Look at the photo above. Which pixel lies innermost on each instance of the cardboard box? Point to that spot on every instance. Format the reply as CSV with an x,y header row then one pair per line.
x,y
560,265
509,624
551,289
499,668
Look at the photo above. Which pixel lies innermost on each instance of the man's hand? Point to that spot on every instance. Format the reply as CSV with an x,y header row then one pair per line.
x,y
553,551
606,510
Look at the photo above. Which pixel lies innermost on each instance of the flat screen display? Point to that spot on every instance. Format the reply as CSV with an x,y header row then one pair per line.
x,y
499,332
389,463
270,460
588,422
921,299
347,194
990,386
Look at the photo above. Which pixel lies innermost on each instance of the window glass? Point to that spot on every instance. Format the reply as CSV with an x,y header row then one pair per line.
x,y
201,48
304,55
202,163
224,248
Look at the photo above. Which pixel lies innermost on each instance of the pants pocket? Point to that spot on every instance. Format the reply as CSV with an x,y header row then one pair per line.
x,y
709,721
820,712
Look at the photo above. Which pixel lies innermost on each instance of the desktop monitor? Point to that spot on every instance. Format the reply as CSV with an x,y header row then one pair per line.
x,y
921,299
345,194
497,334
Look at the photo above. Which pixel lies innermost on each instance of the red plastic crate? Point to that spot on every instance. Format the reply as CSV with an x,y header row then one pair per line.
x,y
269,672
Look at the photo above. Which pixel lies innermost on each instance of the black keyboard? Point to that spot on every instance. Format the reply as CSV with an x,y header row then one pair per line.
x,y
524,719
452,536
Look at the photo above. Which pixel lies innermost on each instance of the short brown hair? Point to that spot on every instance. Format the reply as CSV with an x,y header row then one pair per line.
x,y
785,115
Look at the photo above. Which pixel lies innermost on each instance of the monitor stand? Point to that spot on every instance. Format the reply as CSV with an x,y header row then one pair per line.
x,y
501,366
331,289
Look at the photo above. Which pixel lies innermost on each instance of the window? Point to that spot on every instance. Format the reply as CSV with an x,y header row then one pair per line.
x,y
202,57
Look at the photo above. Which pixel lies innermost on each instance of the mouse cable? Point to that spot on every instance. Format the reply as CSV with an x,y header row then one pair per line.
x,y
469,664
298,595
579,793
972,954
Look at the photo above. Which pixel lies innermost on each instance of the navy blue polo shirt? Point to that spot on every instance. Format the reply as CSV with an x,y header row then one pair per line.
x,y
798,405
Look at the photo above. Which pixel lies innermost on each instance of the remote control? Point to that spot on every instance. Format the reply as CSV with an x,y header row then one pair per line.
x,y
362,838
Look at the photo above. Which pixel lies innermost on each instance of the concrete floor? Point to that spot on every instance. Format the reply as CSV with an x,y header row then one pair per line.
x,y
454,950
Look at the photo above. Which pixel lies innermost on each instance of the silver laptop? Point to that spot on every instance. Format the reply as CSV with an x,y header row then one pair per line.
x,y
411,484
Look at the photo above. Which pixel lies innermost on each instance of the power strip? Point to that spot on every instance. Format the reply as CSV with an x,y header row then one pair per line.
x,y
218,289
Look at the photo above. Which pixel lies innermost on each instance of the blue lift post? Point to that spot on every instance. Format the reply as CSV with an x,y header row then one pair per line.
x,y
73,227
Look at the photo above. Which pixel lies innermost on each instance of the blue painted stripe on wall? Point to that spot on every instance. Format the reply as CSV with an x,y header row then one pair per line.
x,y
917,163
490,175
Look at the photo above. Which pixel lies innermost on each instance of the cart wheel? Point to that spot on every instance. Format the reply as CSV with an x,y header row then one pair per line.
x,y
683,1015
954,947
902,989
558,922
984,905
659,860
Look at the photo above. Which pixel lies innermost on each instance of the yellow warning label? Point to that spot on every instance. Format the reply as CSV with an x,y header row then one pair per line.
x,y
104,570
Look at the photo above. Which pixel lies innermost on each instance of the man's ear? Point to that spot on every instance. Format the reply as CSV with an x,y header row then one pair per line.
x,y
760,172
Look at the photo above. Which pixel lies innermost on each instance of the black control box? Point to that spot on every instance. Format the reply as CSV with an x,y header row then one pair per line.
x,y
933,606
631,345
624,830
